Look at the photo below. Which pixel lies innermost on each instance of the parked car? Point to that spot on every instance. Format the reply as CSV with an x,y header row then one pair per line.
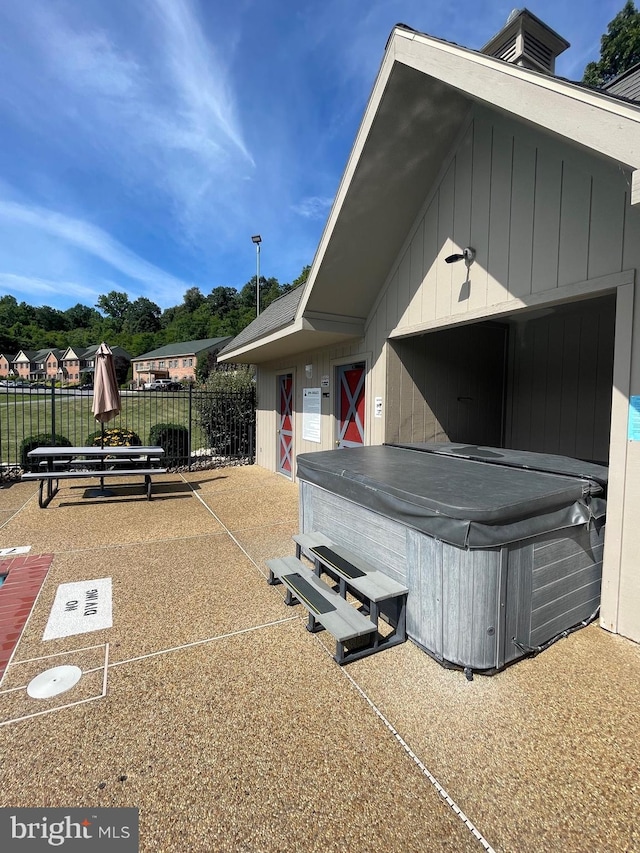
x,y
162,385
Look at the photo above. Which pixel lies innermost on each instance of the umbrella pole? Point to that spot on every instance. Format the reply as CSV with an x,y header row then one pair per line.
x,y
102,448
101,492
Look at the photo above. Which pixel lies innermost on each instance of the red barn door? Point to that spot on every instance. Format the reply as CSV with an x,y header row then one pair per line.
x,y
350,405
285,424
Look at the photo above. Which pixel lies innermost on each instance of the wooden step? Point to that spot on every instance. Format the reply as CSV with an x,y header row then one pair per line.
x,y
324,606
342,564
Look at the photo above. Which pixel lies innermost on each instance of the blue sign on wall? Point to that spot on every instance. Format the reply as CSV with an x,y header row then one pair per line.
x,y
634,418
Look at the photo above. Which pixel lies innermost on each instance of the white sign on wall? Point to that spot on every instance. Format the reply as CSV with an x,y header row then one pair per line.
x,y
378,407
80,607
311,405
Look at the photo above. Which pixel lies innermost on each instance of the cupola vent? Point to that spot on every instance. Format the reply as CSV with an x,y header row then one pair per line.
x,y
527,41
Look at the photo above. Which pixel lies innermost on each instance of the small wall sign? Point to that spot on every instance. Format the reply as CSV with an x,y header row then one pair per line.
x,y
634,418
324,381
311,409
80,607
378,407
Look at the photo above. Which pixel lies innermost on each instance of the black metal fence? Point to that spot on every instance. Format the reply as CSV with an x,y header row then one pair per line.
x,y
197,428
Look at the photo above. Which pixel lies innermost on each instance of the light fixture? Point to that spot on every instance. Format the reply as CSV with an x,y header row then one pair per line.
x,y
308,371
468,256
257,239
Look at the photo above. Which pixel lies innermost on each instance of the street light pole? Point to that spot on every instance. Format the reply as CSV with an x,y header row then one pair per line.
x,y
257,239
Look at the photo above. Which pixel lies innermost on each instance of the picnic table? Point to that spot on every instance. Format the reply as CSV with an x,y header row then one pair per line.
x,y
65,463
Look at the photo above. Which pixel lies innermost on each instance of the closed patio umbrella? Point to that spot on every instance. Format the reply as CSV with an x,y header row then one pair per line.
x,y
106,396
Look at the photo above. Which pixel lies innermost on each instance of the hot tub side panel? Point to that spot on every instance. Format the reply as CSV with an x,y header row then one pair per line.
x,y
378,539
566,580
454,606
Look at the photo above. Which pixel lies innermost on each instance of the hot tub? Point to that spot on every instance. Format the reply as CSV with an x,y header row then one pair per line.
x,y
501,551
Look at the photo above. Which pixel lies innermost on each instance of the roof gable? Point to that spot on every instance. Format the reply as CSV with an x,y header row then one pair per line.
x,y
423,95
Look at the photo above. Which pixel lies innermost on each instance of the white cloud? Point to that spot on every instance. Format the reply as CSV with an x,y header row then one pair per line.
x,y
313,207
26,287
200,79
155,107
83,236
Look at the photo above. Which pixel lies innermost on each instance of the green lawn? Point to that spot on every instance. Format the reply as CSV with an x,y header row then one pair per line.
x,y
28,414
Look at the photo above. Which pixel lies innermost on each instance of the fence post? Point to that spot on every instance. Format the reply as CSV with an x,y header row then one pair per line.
x,y
53,411
190,425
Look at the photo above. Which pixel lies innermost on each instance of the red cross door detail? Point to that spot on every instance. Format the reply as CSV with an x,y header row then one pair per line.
x,y
350,415
285,424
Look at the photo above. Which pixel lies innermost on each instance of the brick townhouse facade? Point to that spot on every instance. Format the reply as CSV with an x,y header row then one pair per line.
x,y
177,361
70,366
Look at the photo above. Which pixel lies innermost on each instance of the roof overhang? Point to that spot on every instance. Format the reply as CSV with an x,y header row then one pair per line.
x,y
304,334
421,99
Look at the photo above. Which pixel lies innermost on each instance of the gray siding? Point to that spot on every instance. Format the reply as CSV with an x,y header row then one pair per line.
x,y
627,85
447,386
561,379
541,215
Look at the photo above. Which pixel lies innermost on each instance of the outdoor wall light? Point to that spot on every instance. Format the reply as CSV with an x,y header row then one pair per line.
x,y
468,256
308,371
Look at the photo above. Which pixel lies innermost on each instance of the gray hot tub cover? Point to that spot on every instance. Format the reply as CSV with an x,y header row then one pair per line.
x,y
461,501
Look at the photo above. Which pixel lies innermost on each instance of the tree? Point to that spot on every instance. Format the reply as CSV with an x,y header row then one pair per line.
x,y
304,275
81,316
143,315
222,299
227,417
193,299
619,48
115,305
50,319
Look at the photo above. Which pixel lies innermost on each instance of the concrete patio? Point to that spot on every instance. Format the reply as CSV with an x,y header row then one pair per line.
x,y
210,708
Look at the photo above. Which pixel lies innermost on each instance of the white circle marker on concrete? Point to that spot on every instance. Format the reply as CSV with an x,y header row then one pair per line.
x,y
51,682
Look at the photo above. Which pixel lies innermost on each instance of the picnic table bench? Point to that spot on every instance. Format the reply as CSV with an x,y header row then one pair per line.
x,y
65,463
379,595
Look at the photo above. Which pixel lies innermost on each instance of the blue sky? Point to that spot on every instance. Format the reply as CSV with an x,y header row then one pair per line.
x,y
143,142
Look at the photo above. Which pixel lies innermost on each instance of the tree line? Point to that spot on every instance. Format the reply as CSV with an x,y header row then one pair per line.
x,y
140,325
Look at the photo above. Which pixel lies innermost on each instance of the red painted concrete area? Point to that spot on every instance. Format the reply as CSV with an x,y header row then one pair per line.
x,y
25,576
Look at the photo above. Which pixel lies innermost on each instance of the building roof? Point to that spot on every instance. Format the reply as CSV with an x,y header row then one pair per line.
x,y
279,313
626,85
90,352
184,348
423,95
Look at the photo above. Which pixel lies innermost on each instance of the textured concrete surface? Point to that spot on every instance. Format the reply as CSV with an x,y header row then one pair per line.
x,y
231,728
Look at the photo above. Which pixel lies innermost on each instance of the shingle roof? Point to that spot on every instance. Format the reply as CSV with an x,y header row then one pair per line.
x,y
90,352
184,348
626,85
281,312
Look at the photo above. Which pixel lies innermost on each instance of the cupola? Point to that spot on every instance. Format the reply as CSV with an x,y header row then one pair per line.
x,y
527,41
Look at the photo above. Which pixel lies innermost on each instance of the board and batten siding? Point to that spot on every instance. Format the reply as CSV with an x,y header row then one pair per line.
x,y
541,214
323,363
